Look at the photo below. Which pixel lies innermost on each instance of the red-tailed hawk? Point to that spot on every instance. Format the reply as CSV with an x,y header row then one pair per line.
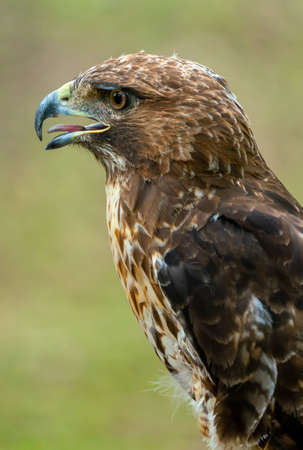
x,y
207,242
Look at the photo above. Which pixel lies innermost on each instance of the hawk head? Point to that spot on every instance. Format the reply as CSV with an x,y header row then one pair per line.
x,y
156,115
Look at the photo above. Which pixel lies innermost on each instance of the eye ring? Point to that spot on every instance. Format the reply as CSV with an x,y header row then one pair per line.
x,y
118,99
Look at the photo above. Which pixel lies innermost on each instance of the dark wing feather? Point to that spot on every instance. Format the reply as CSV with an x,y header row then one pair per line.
x,y
238,283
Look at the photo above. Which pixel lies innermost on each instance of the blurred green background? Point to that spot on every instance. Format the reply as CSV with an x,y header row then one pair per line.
x,y
75,369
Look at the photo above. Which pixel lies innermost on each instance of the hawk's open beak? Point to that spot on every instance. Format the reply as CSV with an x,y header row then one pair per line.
x,y
59,103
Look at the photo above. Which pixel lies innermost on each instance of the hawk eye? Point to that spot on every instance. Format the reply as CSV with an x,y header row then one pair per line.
x,y
118,99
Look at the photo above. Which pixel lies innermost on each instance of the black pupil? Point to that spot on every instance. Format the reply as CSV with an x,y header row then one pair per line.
x,y
118,98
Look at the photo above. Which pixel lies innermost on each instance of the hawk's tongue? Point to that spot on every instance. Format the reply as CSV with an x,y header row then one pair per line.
x,y
96,126
72,128
66,127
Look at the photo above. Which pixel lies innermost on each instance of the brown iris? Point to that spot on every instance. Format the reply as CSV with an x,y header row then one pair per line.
x,y
118,99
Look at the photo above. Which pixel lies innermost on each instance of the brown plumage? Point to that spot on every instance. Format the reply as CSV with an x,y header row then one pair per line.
x,y
207,242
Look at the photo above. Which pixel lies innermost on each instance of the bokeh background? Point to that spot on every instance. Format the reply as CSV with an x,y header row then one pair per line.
x,y
75,369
